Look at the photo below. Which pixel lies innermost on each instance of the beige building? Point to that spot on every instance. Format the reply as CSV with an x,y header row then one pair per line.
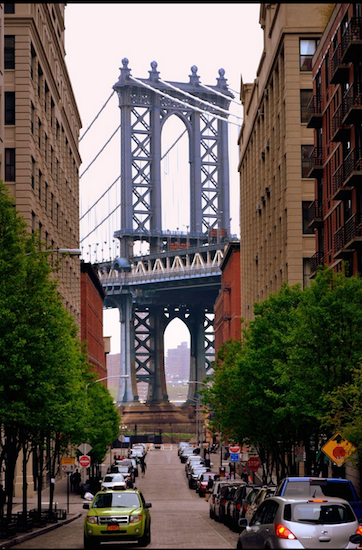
x,y
274,146
39,156
39,133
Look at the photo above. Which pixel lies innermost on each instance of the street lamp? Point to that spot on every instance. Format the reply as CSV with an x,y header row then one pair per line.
x,y
69,251
197,400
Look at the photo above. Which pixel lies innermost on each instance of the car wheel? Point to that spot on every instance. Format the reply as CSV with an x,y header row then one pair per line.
x,y
90,543
145,539
212,514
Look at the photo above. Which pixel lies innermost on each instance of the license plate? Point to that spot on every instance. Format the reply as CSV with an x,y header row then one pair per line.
x,y
113,528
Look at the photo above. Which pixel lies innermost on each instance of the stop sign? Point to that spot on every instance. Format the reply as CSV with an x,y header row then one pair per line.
x,y
84,461
254,463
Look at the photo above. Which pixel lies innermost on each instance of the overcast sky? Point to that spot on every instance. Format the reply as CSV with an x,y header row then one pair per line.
x,y
177,36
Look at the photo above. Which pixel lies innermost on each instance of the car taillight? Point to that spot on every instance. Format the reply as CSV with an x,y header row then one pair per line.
x,y
238,506
359,530
283,532
246,507
223,500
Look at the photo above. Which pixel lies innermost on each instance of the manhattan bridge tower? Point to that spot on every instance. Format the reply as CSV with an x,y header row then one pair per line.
x,y
179,273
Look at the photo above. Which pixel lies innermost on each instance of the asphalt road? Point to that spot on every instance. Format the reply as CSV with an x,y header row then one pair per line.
x,y
180,518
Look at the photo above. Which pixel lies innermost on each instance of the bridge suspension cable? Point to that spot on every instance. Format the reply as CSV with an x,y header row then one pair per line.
x,y
98,225
95,118
97,155
192,107
101,197
199,100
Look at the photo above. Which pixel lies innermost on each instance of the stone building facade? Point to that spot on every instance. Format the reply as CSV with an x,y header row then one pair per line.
x,y
274,147
40,156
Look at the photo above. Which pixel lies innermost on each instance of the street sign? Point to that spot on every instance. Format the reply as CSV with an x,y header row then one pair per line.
x,y
84,448
338,450
234,457
234,448
254,463
84,461
67,460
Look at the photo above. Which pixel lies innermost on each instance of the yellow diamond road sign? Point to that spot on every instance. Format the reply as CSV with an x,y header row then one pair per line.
x,y
338,450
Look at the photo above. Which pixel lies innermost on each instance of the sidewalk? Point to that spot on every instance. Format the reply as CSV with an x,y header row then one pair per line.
x,y
72,504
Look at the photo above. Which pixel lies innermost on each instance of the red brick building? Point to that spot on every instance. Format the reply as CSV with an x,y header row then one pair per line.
x,y
227,308
92,298
336,162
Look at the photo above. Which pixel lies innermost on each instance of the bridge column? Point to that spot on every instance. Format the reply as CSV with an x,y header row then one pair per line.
x,y
197,364
158,391
127,392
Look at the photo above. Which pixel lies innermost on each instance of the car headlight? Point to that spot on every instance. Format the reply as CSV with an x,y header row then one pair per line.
x,y
92,519
135,518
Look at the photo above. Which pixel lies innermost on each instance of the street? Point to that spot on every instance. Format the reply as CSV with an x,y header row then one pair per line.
x,y
180,518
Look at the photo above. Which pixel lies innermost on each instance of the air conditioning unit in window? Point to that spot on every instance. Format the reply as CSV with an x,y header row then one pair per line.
x,y
261,113
262,155
267,144
258,207
267,190
256,257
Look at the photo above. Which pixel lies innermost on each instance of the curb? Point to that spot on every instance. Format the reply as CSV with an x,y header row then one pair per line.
x,y
31,535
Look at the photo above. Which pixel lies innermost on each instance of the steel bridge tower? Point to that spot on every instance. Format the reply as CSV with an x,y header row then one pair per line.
x,y
146,305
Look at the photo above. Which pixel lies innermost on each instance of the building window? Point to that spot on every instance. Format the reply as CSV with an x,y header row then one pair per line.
x,y
33,173
305,215
9,52
9,8
308,47
33,58
305,98
306,272
10,108
9,164
32,118
307,151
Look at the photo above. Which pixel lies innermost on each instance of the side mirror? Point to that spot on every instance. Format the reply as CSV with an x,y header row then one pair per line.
x,y
148,505
86,506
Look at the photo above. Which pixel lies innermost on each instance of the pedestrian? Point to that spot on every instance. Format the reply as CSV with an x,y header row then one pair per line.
x,y
76,481
143,467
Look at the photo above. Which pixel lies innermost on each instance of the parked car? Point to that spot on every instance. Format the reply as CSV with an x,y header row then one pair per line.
x,y
241,504
185,453
115,516
111,481
263,493
239,488
126,471
194,474
222,499
214,494
285,523
204,483
193,460
323,486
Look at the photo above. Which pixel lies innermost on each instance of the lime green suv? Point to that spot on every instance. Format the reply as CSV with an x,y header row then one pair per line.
x,y
117,515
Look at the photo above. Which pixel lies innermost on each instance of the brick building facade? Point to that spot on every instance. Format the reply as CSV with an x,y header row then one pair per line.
x,y
227,320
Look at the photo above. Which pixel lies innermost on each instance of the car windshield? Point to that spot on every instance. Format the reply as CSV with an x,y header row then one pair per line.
x,y
321,513
116,500
318,489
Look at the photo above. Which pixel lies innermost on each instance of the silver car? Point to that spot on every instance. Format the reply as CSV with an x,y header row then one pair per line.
x,y
281,522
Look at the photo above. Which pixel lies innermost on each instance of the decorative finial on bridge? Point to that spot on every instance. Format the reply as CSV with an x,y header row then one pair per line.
x,y
194,78
125,72
154,74
221,81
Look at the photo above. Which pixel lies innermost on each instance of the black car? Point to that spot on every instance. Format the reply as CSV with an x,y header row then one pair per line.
x,y
241,498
